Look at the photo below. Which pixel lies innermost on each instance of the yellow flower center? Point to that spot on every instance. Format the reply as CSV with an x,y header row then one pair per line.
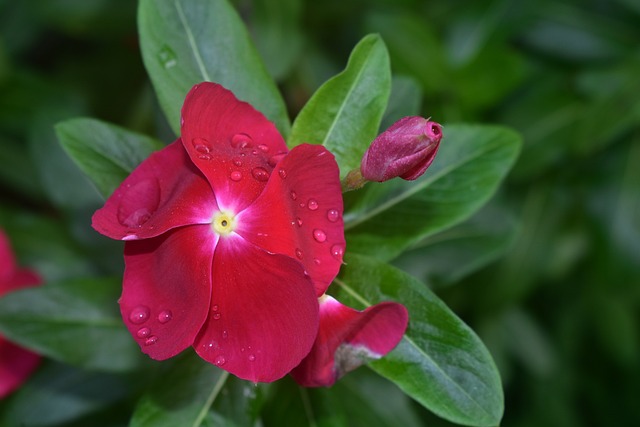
x,y
223,223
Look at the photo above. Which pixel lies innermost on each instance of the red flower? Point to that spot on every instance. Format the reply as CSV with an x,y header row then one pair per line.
x,y
405,149
16,363
230,239
349,338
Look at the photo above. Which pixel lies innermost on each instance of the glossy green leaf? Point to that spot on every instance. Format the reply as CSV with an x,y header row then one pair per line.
x,y
344,113
385,219
440,362
185,42
182,395
104,152
77,322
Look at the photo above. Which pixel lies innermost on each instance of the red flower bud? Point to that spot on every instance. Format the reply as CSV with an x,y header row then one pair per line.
x,y
406,150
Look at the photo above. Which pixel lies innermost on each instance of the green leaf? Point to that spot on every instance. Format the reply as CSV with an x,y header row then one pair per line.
x,y
405,100
105,153
76,322
385,219
185,42
440,362
344,114
447,257
182,395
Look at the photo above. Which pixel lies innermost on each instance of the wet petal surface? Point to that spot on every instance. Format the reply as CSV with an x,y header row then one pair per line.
x,y
263,315
232,143
299,214
167,289
164,192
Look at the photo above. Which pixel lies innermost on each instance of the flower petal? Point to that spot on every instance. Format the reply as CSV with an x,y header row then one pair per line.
x,y
7,261
165,191
167,289
348,338
299,214
232,143
16,364
264,313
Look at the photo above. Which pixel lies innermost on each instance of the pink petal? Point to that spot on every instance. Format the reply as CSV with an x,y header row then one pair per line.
x,y
165,191
232,143
16,364
7,260
167,289
264,313
348,338
299,214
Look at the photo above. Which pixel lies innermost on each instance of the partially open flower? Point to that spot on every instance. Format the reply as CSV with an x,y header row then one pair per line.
x,y
405,150
230,238
349,338
16,363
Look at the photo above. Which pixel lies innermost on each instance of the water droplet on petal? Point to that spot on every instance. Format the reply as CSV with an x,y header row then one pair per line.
x,y
299,222
236,176
204,157
263,147
220,360
137,218
143,332
251,358
337,251
241,140
260,174
215,307
299,253
313,204
282,173
316,261
165,316
294,196
201,145
333,215
225,334
216,316
319,235
138,315
151,340
237,162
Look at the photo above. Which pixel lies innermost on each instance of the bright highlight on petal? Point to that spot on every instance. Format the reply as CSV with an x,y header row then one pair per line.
x,y
348,338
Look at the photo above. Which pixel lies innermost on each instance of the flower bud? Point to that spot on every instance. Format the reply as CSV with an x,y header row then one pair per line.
x,y
405,149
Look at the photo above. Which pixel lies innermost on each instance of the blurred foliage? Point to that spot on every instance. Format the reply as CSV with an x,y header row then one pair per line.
x,y
548,273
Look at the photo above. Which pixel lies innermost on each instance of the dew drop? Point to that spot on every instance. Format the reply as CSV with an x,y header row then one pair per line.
x,y
237,162
282,173
302,205
299,253
216,316
241,140
312,204
151,340
220,360
337,251
236,176
165,316
167,57
316,261
139,315
333,215
137,218
319,235
294,196
204,157
251,358
201,145
263,147
215,307
260,174
225,334
143,332
299,222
